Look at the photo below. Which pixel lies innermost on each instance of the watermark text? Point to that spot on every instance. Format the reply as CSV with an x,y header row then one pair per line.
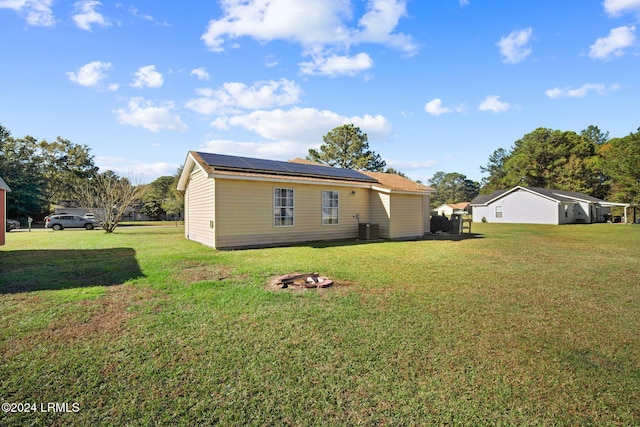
x,y
22,407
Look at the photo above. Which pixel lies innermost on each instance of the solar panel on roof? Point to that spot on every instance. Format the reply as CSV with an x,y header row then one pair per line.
x,y
222,161
270,165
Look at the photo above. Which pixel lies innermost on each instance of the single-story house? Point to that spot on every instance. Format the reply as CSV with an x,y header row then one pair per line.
x,y
3,208
450,208
69,207
540,206
234,202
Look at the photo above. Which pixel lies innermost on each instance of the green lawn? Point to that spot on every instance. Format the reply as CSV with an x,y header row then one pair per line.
x,y
522,325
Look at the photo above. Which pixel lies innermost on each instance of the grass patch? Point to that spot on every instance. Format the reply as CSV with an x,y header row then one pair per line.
x,y
528,325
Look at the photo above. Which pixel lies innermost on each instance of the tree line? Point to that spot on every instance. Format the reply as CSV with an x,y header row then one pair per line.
x,y
43,173
587,162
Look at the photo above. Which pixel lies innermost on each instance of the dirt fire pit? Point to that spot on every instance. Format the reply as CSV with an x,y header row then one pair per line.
x,y
297,281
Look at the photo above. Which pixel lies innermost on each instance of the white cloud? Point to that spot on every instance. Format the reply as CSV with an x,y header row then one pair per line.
x,y
37,13
285,134
200,73
322,34
378,24
144,16
464,2
515,47
271,61
617,7
410,165
435,108
145,114
337,65
614,44
492,103
582,91
147,77
234,97
86,15
90,74
277,150
280,19
304,126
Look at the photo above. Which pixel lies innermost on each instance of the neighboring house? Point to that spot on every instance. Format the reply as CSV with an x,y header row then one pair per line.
x,y
68,207
3,208
540,206
450,208
131,213
233,202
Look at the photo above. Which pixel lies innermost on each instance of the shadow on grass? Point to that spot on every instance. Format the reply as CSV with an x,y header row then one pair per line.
x,y
354,242
36,270
140,230
320,244
453,237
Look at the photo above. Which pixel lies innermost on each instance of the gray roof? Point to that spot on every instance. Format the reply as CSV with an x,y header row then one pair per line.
x,y
557,195
483,199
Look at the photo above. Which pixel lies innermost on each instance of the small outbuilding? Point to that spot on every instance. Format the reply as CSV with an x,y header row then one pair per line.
x,y
448,209
3,208
532,205
235,202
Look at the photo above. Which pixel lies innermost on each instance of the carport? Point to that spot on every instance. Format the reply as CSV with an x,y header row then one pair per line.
x,y
626,207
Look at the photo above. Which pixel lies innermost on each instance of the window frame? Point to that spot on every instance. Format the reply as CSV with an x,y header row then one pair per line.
x,y
499,211
280,214
329,218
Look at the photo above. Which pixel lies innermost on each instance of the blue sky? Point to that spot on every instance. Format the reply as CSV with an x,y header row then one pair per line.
x,y
437,85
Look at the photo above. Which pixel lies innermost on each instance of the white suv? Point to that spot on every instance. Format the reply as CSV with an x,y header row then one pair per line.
x,y
60,222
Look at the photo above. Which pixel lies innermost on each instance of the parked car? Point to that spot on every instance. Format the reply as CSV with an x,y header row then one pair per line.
x,y
60,222
11,224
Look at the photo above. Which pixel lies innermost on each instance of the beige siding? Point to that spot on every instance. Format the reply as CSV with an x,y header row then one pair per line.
x,y
381,212
200,208
407,217
426,209
245,213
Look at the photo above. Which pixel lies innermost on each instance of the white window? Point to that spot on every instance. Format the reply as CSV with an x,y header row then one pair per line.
x,y
498,211
283,207
330,207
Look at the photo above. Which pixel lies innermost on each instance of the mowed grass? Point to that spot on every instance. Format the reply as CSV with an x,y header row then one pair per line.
x,y
521,325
